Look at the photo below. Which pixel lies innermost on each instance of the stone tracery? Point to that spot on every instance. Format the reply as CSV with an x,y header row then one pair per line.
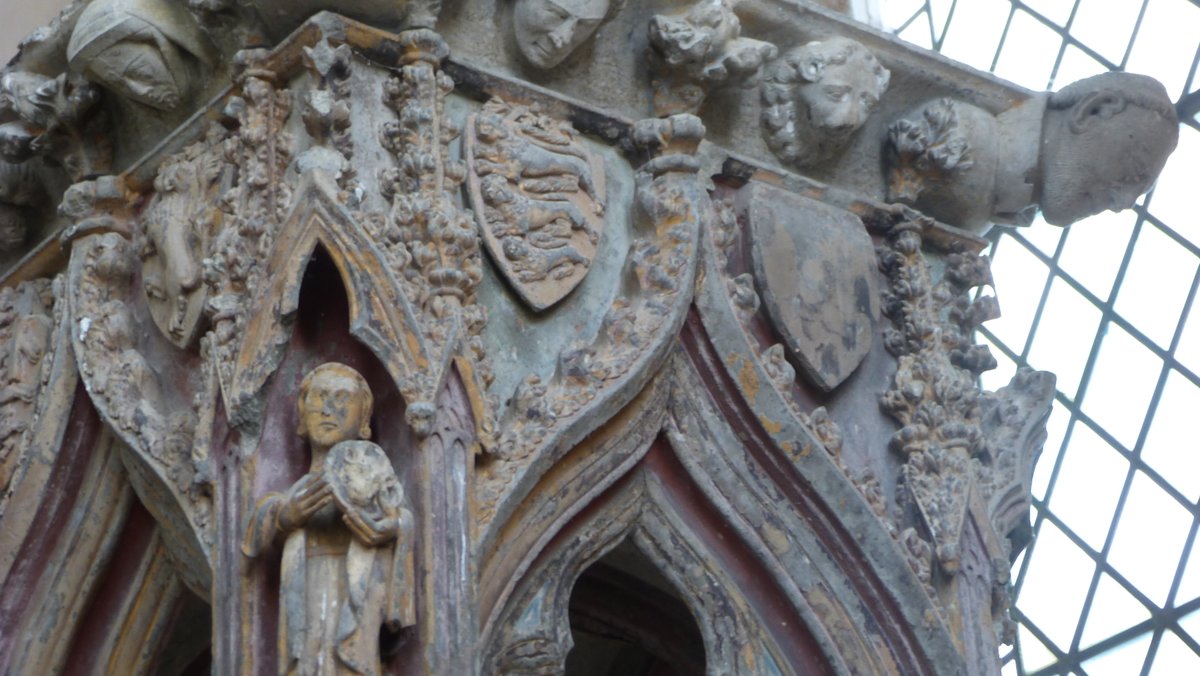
x,y
692,390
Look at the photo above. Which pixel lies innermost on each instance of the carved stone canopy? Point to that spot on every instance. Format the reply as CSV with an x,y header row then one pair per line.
x,y
574,352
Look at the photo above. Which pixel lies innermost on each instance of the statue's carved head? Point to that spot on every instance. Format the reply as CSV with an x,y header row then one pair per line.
x,y
818,95
139,49
548,31
1104,141
334,405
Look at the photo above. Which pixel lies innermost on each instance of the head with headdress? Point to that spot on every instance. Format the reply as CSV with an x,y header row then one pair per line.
x,y
139,49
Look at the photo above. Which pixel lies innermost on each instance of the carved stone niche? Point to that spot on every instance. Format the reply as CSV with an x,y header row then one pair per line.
x,y
619,364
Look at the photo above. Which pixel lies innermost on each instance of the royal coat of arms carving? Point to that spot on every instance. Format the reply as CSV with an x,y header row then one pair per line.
x,y
538,195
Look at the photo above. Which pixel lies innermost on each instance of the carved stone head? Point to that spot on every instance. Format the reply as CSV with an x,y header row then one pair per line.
x,y
138,49
547,31
694,36
334,405
1104,141
817,96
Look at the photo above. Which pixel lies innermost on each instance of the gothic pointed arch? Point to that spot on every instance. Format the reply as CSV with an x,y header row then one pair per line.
x,y
379,314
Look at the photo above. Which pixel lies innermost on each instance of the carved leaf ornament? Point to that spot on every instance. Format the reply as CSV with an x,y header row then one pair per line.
x,y
675,406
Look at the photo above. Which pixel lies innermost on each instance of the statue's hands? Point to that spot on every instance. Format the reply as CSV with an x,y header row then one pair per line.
x,y
305,497
370,531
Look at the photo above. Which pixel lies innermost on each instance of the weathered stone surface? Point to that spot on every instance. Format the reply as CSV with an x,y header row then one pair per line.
x,y
1097,144
816,271
636,457
538,196
815,97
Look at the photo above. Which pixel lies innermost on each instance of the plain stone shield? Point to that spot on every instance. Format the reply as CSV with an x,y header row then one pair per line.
x,y
815,269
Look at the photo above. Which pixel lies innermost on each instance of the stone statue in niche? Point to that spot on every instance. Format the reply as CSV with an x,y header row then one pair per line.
x,y
1097,144
548,31
139,49
699,50
538,194
347,533
816,96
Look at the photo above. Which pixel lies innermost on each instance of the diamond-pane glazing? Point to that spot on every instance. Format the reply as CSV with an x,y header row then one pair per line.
x,y
1111,306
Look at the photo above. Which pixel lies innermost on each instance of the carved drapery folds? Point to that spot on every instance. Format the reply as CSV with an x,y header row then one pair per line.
x,y
603,355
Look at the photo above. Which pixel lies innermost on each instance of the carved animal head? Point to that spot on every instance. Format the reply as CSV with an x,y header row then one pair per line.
x,y
818,95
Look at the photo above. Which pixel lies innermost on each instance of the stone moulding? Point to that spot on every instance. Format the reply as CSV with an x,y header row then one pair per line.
x,y
322,208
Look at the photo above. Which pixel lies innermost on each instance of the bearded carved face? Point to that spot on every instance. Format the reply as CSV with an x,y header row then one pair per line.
x,y
547,31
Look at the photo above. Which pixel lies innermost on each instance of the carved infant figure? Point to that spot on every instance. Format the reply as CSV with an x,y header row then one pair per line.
x,y
1097,144
816,96
548,31
347,561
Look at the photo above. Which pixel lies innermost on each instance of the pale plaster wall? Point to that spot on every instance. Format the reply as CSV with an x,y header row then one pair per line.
x,y
19,17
